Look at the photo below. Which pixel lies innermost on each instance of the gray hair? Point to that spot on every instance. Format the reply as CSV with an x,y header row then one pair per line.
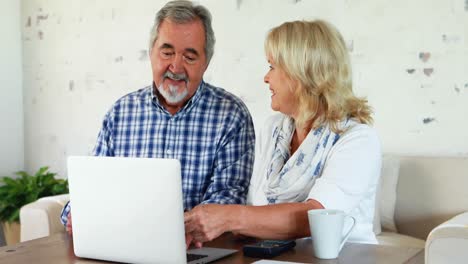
x,y
182,11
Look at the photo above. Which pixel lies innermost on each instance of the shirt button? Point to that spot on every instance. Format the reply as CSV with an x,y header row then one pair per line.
x,y
169,151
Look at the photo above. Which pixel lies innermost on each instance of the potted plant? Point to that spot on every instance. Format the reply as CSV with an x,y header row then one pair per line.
x,y
21,190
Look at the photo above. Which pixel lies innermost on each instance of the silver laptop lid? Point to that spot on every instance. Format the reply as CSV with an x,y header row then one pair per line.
x,y
127,209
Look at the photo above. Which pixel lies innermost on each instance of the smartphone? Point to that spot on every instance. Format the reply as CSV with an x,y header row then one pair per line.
x,y
268,248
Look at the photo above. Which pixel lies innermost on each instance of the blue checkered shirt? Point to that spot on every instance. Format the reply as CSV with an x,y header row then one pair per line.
x,y
212,136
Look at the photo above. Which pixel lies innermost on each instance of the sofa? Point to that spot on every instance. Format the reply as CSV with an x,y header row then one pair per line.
x,y
421,202
42,217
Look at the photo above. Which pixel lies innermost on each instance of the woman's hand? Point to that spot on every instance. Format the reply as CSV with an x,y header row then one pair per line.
x,y
208,221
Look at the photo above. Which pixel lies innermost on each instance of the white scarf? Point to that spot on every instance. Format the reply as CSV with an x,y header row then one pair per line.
x,y
289,179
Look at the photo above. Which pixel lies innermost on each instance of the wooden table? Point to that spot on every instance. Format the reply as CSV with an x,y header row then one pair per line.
x,y
59,249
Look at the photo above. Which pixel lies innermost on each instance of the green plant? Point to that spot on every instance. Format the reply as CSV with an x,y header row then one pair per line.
x,y
25,189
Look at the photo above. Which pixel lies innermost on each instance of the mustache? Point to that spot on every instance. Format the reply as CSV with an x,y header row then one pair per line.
x,y
175,76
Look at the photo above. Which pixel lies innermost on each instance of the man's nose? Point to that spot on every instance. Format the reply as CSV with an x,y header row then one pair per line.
x,y
177,64
266,78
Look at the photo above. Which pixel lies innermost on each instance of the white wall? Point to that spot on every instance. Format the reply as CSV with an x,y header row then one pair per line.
x,y
11,91
410,59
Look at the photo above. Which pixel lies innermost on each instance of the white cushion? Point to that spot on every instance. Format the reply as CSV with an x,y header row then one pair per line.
x,y
42,217
386,195
395,239
430,191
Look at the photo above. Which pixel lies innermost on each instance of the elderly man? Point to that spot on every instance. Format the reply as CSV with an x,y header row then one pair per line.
x,y
209,130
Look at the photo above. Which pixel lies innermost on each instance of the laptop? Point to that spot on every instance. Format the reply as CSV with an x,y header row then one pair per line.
x,y
130,210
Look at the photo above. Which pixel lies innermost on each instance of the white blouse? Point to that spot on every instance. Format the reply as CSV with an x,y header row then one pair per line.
x,y
348,181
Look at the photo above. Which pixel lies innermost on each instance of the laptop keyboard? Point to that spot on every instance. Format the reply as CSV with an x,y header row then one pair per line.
x,y
191,257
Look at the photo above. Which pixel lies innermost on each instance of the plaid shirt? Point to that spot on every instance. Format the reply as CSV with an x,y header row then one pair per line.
x,y
212,136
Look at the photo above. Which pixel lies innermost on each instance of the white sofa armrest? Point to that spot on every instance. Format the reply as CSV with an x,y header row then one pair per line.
x,y
42,217
448,242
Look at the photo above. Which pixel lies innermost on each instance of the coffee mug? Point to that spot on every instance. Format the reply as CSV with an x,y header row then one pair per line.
x,y
326,228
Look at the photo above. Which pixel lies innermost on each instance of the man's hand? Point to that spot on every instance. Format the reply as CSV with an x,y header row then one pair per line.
x,y
208,221
68,227
189,240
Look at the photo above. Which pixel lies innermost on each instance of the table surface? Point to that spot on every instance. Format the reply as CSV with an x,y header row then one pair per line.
x,y
58,248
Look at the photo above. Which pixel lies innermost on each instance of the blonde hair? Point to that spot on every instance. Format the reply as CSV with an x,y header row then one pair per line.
x,y
314,54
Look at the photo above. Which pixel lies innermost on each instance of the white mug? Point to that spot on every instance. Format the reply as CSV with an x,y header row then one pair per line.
x,y
326,228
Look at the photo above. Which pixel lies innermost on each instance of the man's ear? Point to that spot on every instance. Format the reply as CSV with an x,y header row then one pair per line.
x,y
206,66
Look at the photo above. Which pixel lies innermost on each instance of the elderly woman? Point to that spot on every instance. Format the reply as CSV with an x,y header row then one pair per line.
x,y
318,152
